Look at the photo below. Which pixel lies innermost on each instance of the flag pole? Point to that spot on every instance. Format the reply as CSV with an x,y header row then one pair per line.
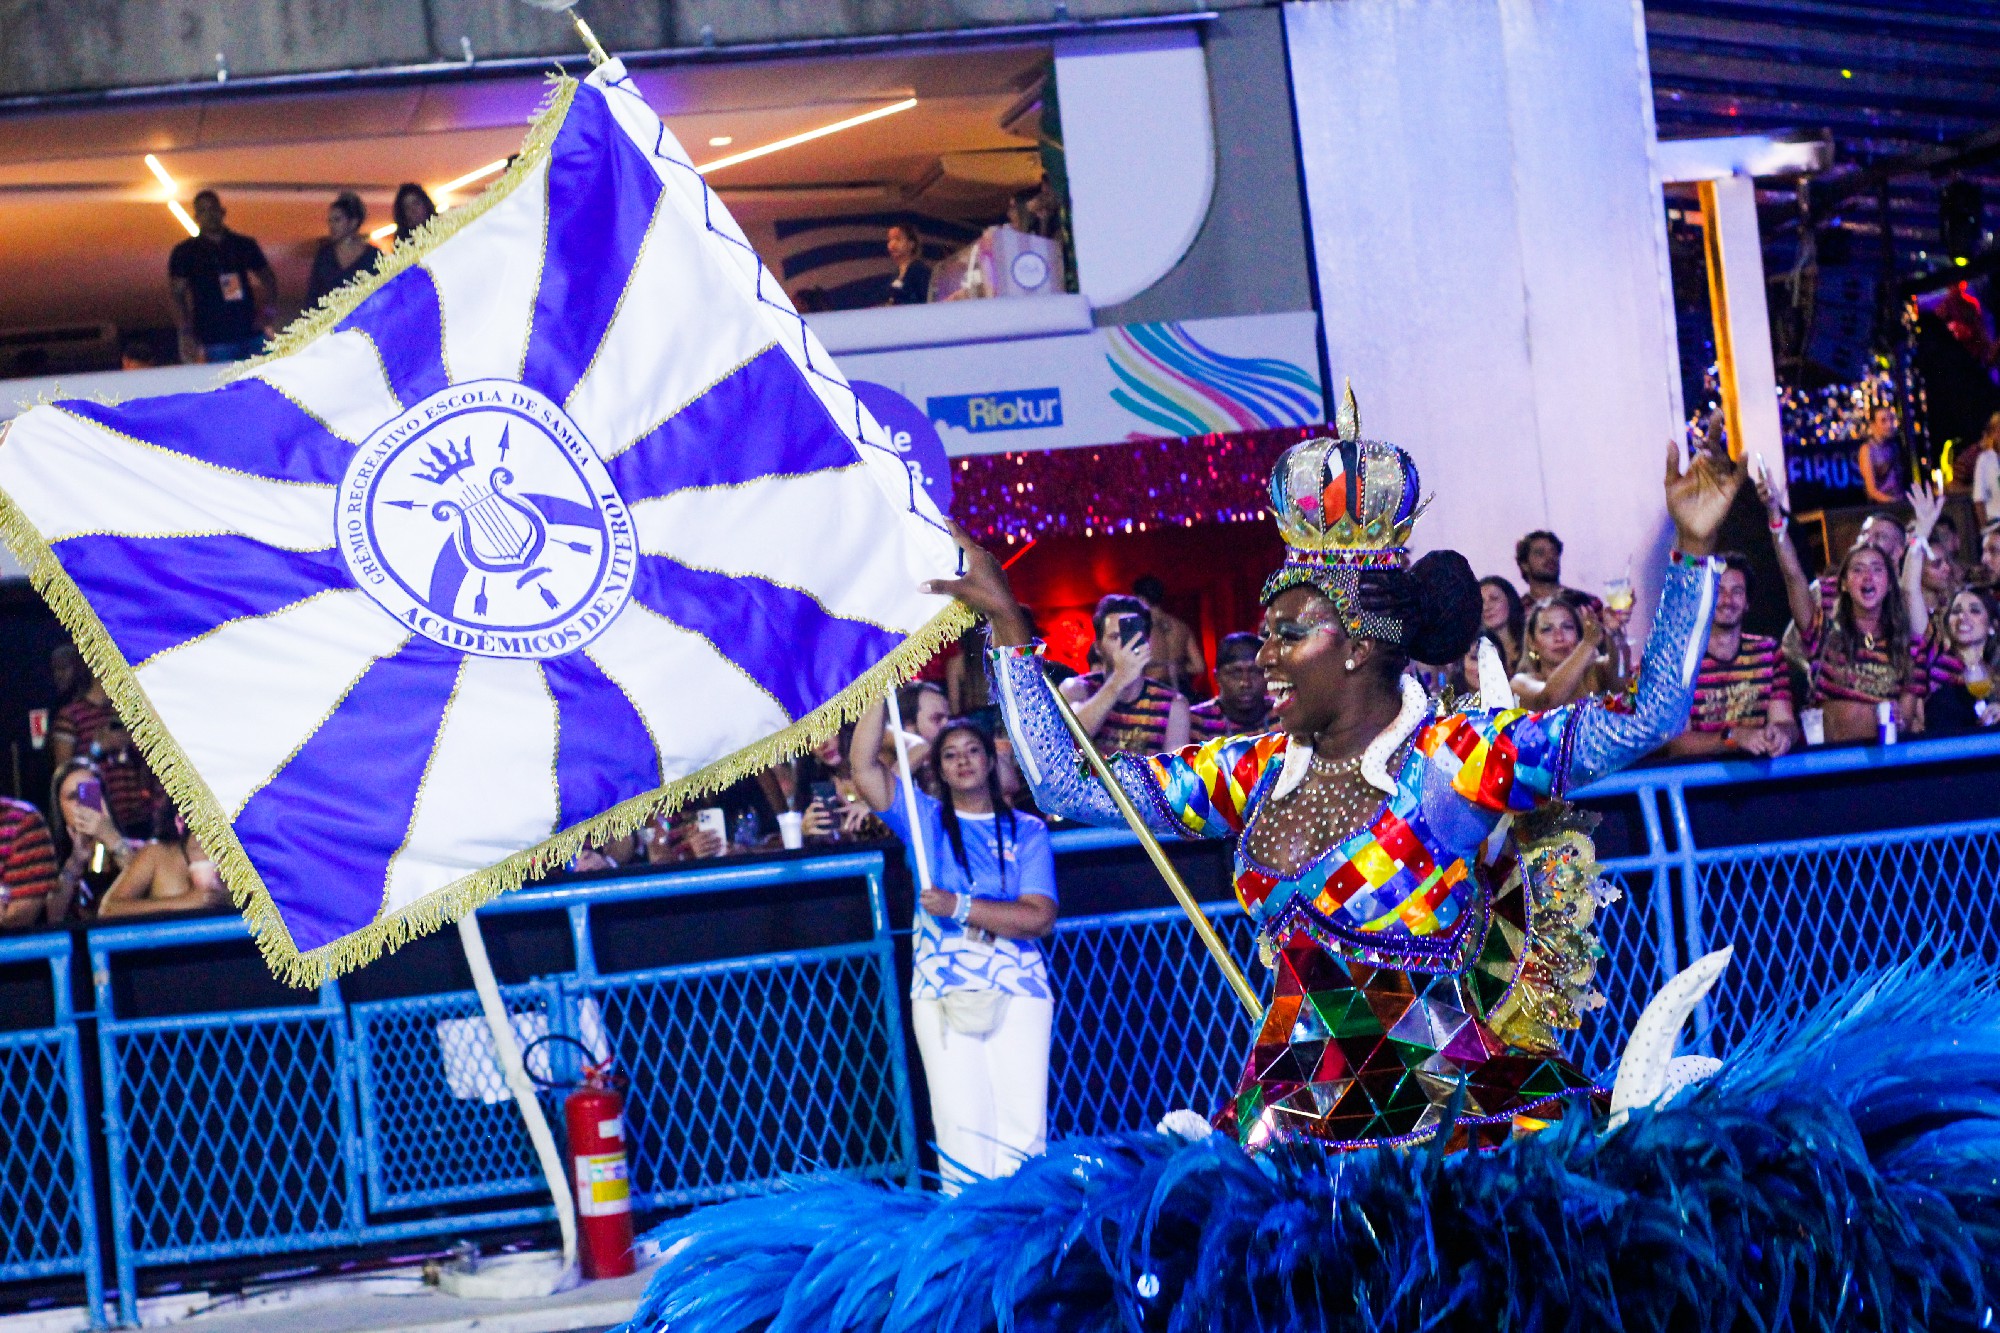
x,y
917,837
590,42
1202,925
508,1049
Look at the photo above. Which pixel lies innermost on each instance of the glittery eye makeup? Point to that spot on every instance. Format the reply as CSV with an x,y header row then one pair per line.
x,y
1290,633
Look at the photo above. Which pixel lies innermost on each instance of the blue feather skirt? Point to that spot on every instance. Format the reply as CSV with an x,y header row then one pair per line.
x,y
1842,1171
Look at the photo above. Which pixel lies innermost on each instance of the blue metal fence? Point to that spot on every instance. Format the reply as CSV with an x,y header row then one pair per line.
x,y
331,1123
48,1213
327,1124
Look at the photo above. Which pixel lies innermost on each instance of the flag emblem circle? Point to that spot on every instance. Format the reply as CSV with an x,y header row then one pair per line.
x,y
484,519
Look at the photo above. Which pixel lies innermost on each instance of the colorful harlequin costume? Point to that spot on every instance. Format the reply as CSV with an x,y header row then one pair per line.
x,y
1838,1171
1423,959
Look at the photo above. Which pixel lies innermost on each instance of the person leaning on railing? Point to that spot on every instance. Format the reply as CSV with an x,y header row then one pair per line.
x,y
1861,635
173,874
27,865
1742,693
980,1002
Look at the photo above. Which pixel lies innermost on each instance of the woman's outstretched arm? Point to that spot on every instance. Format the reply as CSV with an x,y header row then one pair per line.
x,y
1196,792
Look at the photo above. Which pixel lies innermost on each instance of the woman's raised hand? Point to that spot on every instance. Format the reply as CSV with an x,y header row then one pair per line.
x,y
1699,498
984,589
1590,630
1928,504
1767,494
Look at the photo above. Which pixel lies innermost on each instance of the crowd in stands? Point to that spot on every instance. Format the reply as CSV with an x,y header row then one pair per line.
x,y
1896,637
225,296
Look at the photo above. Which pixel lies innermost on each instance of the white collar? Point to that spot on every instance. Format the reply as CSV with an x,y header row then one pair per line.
x,y
1374,759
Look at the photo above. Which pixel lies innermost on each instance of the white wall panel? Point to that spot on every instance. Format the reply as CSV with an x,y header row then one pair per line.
x,y
1489,239
1139,145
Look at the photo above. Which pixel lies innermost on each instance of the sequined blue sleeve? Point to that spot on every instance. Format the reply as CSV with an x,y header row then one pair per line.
x,y
1189,793
1596,736
1048,756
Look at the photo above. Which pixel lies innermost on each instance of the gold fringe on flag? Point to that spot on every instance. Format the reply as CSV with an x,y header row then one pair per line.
x,y
210,822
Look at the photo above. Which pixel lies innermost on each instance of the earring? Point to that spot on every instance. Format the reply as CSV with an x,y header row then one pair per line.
x,y
1350,664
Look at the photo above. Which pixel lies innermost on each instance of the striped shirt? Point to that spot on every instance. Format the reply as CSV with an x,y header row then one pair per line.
x,y
1871,676
1944,668
1206,721
1739,691
129,787
29,867
1134,726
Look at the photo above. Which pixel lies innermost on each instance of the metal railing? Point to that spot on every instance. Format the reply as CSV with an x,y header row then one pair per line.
x,y
325,1124
333,1122
1146,1024
48,1211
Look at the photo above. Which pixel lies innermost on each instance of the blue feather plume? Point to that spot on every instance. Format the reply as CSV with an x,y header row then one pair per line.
x,y
1842,1171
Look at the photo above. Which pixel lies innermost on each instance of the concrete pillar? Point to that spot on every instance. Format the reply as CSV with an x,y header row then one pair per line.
x,y
1490,243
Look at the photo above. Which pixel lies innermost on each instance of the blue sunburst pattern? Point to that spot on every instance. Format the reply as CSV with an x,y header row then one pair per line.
x,y
567,510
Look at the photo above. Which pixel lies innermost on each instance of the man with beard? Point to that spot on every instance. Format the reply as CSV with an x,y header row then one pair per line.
x,y
1742,699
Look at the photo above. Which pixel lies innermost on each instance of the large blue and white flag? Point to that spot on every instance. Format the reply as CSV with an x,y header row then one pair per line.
x,y
562,518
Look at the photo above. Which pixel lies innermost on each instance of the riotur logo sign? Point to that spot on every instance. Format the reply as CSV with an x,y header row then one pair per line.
x,y
1014,409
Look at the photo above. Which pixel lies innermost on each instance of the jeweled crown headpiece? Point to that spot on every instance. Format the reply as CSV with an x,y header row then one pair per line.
x,y
1344,504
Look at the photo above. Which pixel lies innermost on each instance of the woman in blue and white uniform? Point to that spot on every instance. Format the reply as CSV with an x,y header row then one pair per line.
x,y
980,1002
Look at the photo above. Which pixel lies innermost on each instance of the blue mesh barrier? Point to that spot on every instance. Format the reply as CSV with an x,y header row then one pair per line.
x,y
744,1073
438,1124
332,1124
48,1215
230,1140
1806,916
1145,1024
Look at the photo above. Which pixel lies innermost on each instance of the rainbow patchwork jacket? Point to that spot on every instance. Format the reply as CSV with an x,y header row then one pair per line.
x,y
1406,891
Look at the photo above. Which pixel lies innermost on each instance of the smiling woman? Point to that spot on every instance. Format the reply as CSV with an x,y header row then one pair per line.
x,y
1419,983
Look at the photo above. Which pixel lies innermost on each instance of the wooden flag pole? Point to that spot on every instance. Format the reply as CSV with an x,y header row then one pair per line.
x,y
1202,925
590,42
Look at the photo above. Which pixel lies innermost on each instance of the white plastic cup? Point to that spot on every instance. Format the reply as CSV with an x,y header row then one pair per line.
x,y
1813,722
792,829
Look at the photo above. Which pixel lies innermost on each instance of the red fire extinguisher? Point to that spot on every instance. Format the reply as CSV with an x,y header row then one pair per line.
x,y
595,1114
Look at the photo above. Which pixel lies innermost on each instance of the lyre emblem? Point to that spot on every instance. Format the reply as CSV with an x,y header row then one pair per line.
x,y
495,532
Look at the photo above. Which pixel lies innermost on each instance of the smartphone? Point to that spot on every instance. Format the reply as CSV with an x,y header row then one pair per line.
x,y
1131,629
827,797
90,792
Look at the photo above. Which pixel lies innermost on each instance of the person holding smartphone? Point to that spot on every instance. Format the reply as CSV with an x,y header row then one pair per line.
x,y
92,850
823,791
1120,707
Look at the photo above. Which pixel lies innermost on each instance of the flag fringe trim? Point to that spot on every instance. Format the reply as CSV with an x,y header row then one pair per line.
x,y
204,813
190,793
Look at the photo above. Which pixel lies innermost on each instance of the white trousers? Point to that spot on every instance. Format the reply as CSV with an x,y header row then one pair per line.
x,y
990,1093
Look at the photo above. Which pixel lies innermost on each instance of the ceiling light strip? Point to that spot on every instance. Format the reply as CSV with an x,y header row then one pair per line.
x,y
481,174
807,137
172,187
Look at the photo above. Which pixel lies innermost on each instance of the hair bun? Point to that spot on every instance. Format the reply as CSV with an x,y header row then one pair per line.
x,y
1448,609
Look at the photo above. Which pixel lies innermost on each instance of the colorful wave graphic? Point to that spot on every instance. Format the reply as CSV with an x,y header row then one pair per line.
x,y
1170,380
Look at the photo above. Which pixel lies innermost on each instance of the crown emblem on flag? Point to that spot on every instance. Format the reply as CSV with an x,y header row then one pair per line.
x,y
460,687
446,462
